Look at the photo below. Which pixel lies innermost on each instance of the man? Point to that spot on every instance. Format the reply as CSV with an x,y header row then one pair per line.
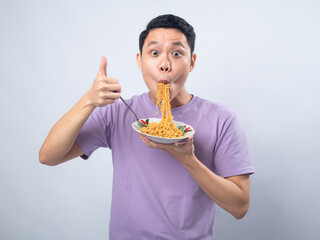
x,y
159,191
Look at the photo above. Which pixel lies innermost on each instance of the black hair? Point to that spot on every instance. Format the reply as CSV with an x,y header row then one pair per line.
x,y
169,21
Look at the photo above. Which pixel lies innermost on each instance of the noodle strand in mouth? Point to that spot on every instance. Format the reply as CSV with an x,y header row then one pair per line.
x,y
165,128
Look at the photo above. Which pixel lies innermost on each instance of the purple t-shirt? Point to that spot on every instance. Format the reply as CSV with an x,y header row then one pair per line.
x,y
153,195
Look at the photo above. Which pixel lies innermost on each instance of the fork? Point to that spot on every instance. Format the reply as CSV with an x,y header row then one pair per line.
x,y
140,124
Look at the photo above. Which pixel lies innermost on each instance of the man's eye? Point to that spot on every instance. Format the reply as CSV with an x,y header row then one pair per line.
x,y
176,54
154,53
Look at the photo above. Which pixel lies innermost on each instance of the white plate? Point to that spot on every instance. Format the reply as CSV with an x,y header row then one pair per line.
x,y
136,127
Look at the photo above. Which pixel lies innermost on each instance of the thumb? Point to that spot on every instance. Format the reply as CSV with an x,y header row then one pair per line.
x,y
103,67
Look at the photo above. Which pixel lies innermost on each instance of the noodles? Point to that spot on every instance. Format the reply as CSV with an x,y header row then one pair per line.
x,y
165,128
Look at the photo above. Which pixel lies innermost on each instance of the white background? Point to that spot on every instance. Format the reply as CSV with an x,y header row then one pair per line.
x,y
260,58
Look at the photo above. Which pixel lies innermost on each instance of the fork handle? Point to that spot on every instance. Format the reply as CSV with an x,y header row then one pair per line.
x,y
129,108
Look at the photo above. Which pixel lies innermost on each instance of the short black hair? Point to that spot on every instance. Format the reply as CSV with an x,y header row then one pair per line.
x,y
169,21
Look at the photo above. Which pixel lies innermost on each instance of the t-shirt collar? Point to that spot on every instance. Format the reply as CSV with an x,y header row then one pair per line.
x,y
175,109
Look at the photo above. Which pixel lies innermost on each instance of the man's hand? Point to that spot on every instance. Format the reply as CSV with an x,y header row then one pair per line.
x,y
60,145
105,90
182,151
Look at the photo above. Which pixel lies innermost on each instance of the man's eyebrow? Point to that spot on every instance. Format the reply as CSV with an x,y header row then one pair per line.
x,y
178,44
152,43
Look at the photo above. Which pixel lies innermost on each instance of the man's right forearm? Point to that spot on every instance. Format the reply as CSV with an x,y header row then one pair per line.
x,y
60,144
63,134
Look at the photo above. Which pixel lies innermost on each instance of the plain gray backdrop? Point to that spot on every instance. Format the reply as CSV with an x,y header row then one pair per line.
x,y
260,58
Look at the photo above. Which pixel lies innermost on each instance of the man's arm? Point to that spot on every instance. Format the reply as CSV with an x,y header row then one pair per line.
x,y
232,194
60,145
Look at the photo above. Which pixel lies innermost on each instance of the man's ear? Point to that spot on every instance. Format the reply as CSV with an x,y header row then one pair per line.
x,y
193,61
139,60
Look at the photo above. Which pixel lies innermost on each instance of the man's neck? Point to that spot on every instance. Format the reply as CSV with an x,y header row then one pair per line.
x,y
180,100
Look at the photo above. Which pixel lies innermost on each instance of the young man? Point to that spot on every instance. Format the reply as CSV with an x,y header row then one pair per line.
x,y
159,191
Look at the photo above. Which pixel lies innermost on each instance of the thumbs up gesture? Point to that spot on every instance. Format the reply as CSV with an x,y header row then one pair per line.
x,y
105,90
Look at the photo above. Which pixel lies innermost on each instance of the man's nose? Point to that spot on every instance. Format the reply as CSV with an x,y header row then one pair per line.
x,y
165,65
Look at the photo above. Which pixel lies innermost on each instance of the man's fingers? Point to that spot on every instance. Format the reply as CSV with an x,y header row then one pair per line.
x,y
108,80
110,88
147,141
144,139
103,67
153,144
112,95
190,140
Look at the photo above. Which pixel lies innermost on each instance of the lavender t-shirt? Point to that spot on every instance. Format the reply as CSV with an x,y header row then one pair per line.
x,y
154,196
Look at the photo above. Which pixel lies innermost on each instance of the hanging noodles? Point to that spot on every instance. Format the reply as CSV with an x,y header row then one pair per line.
x,y
165,128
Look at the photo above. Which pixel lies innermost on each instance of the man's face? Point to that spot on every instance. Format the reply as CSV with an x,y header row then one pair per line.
x,y
166,57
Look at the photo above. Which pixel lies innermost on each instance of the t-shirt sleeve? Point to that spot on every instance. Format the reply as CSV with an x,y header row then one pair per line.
x,y
95,132
231,155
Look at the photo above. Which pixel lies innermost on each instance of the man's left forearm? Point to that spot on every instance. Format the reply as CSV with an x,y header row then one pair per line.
x,y
232,194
